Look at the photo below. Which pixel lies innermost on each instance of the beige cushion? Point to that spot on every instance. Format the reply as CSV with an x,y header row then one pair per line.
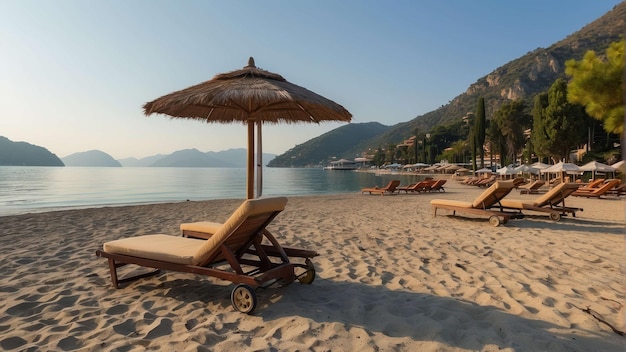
x,y
171,249
491,195
515,204
451,203
556,194
250,207
201,226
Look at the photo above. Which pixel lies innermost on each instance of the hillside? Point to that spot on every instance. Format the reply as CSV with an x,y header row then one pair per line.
x,y
520,79
320,150
234,158
143,162
92,158
25,154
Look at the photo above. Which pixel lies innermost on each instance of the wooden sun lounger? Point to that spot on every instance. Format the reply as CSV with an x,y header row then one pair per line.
x,y
241,250
593,185
485,182
437,186
600,191
552,202
418,187
482,205
532,187
389,189
617,190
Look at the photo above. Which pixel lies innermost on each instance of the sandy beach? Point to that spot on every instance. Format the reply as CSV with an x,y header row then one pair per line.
x,y
390,277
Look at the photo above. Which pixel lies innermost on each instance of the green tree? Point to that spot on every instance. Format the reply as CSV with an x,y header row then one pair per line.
x,y
456,152
415,146
379,157
538,136
472,143
496,141
390,155
598,85
480,121
511,119
557,123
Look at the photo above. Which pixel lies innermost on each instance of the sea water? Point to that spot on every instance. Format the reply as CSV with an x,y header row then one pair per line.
x,y
38,189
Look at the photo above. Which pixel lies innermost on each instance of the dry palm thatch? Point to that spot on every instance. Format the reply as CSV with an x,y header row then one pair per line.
x,y
250,96
249,93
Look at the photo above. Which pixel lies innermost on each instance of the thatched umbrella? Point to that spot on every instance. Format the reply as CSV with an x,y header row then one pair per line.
x,y
250,96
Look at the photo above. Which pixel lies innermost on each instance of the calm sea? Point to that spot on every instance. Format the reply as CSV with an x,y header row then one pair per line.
x,y
37,189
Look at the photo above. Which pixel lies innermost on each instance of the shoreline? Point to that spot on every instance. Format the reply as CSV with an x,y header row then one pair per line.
x,y
389,277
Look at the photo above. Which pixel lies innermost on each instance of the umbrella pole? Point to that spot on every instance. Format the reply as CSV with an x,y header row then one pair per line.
x,y
250,175
259,161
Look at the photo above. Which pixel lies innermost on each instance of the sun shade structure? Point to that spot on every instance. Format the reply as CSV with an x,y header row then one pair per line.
x,y
250,96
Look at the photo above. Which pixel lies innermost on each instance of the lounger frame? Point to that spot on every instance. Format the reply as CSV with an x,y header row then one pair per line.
x,y
250,255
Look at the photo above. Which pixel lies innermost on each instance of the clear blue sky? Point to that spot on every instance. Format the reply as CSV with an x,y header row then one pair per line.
x,y
74,74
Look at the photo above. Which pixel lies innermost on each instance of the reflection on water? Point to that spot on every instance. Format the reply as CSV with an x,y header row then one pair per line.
x,y
33,189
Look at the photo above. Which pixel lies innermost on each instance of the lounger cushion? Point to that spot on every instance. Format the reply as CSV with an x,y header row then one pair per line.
x,y
491,195
201,226
452,203
556,194
515,204
171,249
249,208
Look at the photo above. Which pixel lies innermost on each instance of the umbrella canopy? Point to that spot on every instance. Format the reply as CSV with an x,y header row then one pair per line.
x,y
562,167
620,166
505,171
527,169
250,96
540,165
452,167
484,170
597,167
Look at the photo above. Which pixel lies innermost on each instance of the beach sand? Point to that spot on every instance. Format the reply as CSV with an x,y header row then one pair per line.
x,y
390,277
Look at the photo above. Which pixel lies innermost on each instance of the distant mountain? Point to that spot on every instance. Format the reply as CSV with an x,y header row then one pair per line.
x,y
235,158
25,154
320,150
93,158
520,79
190,158
143,162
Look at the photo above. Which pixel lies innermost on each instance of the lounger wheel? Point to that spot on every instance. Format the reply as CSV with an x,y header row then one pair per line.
x,y
494,220
243,298
555,216
308,276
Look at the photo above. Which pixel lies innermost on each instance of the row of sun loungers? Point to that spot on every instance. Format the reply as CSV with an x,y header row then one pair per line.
x,y
492,203
598,190
430,185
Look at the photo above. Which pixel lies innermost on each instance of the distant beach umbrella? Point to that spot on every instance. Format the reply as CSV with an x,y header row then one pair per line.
x,y
562,168
595,166
250,96
484,170
620,166
539,165
527,169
